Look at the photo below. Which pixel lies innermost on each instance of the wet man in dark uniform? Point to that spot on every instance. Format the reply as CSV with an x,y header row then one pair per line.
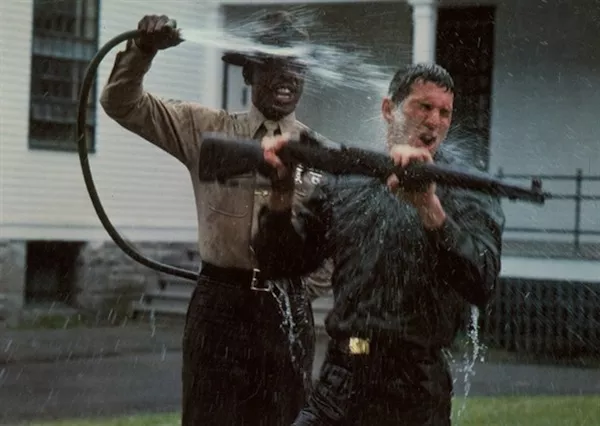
x,y
244,361
406,263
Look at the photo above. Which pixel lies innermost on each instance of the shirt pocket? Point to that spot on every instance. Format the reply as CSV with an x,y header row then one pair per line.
x,y
233,197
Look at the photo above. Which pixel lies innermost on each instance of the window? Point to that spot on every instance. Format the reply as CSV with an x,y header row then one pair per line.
x,y
65,38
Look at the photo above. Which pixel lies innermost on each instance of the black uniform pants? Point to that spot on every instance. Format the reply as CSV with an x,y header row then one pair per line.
x,y
239,367
379,389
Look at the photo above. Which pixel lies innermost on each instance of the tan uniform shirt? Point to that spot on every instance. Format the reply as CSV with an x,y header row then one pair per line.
x,y
226,212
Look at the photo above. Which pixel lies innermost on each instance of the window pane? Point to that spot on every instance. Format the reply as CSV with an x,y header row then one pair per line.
x,y
64,41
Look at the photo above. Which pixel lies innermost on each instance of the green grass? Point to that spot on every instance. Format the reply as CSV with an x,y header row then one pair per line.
x,y
506,411
530,411
140,420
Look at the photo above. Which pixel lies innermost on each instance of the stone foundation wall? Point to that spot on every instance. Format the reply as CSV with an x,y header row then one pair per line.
x,y
107,280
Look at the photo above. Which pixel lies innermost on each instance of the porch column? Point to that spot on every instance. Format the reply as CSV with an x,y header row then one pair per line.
x,y
424,30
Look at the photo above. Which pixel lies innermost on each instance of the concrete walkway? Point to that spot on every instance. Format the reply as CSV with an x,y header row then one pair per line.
x,y
150,383
34,346
52,346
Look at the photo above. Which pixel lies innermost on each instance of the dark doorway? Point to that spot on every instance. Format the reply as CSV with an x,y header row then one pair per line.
x,y
465,47
50,274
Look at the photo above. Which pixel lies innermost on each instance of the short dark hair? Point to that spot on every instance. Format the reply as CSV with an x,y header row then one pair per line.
x,y
404,78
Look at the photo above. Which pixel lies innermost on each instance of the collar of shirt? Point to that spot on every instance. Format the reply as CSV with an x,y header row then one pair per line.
x,y
287,124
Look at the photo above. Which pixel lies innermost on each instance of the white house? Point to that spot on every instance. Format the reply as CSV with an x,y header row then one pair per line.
x,y
526,73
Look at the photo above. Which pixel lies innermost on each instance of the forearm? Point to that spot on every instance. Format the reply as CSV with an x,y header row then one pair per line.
x,y
124,89
282,245
433,216
468,256
172,125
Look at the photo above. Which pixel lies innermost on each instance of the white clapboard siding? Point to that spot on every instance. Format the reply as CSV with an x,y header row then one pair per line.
x,y
15,54
146,192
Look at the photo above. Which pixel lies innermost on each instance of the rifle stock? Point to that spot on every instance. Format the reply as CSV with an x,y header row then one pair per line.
x,y
222,157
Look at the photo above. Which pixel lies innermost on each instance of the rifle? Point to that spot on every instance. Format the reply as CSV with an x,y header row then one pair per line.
x,y
223,157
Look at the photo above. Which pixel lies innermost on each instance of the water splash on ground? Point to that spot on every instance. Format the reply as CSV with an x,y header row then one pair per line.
x,y
473,353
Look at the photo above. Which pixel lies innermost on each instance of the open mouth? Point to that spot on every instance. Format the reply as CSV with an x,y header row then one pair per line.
x,y
427,139
284,93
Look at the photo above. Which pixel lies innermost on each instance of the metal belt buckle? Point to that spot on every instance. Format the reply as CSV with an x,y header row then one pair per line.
x,y
255,283
358,346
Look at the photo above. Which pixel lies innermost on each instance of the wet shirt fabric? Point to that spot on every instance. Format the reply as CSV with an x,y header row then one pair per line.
x,y
268,332
394,283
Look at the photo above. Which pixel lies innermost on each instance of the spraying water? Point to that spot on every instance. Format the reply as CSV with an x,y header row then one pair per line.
x,y
343,75
470,357
288,325
331,66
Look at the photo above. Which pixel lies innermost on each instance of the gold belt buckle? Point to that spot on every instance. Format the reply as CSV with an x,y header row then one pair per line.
x,y
358,346
254,283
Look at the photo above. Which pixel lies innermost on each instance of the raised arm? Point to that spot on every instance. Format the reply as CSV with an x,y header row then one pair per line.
x,y
469,244
172,125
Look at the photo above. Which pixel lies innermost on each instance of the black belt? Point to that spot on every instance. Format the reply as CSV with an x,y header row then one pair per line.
x,y
250,278
362,346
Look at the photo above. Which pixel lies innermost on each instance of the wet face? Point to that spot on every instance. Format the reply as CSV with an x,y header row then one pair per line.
x,y
422,119
277,86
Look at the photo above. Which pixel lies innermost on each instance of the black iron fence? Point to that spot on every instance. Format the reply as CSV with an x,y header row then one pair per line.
x,y
540,316
579,196
551,317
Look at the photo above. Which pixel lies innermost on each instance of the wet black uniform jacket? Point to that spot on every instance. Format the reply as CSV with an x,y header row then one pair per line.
x,y
392,279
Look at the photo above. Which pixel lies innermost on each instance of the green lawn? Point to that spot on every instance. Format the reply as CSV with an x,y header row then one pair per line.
x,y
530,411
509,411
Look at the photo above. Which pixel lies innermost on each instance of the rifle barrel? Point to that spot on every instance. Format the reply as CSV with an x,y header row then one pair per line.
x,y
223,156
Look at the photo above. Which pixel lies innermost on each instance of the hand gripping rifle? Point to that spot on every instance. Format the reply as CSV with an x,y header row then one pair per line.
x,y
222,157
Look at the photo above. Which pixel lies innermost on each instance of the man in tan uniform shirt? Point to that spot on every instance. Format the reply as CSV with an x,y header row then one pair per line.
x,y
245,361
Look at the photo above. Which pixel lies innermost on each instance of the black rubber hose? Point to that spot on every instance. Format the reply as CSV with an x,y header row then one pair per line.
x,y
88,80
